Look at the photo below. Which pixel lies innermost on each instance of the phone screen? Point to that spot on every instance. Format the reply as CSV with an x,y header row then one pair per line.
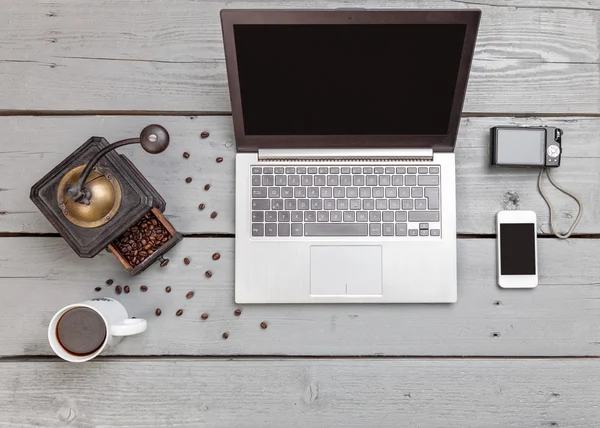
x,y
517,249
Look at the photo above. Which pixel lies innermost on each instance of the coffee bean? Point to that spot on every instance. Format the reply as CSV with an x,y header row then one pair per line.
x,y
179,312
189,295
225,335
126,289
219,159
263,325
143,288
213,214
187,261
216,256
158,312
237,312
109,282
188,180
201,207
168,288
118,289
206,186
144,242
204,316
204,134
186,155
208,274
98,288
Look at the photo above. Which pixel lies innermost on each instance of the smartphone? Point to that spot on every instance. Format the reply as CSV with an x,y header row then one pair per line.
x,y
517,249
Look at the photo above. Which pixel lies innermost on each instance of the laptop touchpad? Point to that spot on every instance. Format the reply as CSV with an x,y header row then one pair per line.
x,y
353,270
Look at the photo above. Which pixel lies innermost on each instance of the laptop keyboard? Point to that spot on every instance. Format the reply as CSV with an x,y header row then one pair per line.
x,y
345,201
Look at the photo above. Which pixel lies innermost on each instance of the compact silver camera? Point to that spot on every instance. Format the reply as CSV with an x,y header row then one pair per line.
x,y
526,146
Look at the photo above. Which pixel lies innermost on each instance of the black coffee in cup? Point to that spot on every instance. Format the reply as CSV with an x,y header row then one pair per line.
x,y
81,331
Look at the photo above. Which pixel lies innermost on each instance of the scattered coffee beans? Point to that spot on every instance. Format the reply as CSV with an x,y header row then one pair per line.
x,y
98,288
237,312
187,261
219,159
189,295
179,312
204,134
143,288
186,155
206,186
225,335
201,207
109,282
204,316
213,214
126,289
188,180
168,288
216,256
142,240
118,289
263,325
158,312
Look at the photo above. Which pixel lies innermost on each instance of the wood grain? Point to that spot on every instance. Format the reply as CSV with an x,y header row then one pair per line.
x,y
38,276
32,146
168,56
383,393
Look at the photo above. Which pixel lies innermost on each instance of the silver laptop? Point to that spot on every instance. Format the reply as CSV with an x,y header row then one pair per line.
x,y
345,124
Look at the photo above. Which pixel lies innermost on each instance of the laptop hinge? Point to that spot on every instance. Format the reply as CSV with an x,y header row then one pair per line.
x,y
383,155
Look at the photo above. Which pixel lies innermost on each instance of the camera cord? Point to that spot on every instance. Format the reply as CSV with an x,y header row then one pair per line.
x,y
579,203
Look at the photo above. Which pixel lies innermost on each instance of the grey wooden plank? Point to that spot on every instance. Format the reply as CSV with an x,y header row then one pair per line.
x,y
31,146
412,393
68,55
38,276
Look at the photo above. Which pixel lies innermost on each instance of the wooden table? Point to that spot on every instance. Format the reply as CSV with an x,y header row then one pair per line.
x,y
497,358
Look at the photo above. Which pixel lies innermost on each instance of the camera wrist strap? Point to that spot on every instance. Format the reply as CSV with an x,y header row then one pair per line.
x,y
579,203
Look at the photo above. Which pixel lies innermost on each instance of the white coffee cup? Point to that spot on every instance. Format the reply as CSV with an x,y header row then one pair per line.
x,y
116,321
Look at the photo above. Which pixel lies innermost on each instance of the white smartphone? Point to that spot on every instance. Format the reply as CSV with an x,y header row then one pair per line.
x,y
517,249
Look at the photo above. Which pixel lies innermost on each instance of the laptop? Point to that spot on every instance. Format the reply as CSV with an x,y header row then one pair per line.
x,y
345,125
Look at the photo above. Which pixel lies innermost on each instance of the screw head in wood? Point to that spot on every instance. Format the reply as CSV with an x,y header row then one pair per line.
x,y
168,288
263,325
225,335
208,274
216,256
237,312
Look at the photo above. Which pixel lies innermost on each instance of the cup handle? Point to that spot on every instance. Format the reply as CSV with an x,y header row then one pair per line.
x,y
129,326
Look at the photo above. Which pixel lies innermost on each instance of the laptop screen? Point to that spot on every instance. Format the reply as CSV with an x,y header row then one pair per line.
x,y
326,79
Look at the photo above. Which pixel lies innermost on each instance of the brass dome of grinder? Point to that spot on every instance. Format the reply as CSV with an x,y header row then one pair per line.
x,y
105,198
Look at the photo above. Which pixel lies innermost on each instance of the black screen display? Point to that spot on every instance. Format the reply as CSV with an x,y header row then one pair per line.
x,y
324,79
517,249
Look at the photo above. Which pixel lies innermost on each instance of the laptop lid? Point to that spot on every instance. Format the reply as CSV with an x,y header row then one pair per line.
x,y
341,79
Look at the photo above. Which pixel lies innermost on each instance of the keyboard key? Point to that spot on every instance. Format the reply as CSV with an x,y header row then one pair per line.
x,y
381,204
374,229
349,216
352,192
404,192
428,216
316,204
420,204
332,180
371,180
368,204
378,192
256,170
364,192
259,192
306,180
358,180
413,232
277,204
287,192
323,216
411,170
342,204
423,225
433,196
400,229
356,170
279,170
378,170
434,232
271,216
256,180
284,216
355,204
323,170
335,229
297,216
416,192
299,192
362,216
271,229
290,204
290,170
319,180
434,170
267,170
326,192
268,180
336,216
384,180
401,216
389,169
339,192
329,204
374,216
303,204
301,170
334,170
394,204
261,204
388,229
274,192
429,180
310,216
423,170
312,170
387,216
391,192
367,170
407,204
258,229
258,216
297,229
345,180
397,180
424,232
400,170
410,180
294,180
313,192
345,170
